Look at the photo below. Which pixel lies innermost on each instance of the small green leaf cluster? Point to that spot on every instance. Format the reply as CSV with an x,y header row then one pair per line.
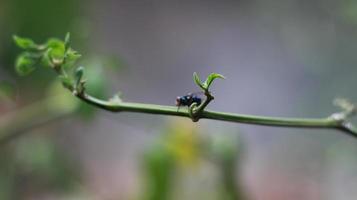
x,y
58,55
207,83
195,110
55,53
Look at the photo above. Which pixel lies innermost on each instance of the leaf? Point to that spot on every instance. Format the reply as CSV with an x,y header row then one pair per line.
x,y
211,78
79,74
24,43
71,57
24,64
79,84
67,41
46,59
57,48
198,81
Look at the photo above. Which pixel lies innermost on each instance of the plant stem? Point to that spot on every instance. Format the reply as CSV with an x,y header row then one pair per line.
x,y
195,112
327,122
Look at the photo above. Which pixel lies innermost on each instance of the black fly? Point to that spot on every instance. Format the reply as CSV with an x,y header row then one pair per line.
x,y
188,99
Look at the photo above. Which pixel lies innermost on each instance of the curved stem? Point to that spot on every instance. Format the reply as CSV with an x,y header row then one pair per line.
x,y
195,112
327,122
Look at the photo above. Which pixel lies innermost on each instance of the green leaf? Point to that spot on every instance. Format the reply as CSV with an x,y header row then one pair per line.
x,y
66,82
46,59
57,48
79,85
67,41
71,57
24,43
198,81
79,74
211,78
24,64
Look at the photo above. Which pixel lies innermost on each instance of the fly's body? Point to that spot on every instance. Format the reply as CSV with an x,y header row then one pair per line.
x,y
188,99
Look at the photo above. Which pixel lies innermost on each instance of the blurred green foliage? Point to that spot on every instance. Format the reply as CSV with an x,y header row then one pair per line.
x,y
182,147
37,19
7,93
58,55
33,165
159,168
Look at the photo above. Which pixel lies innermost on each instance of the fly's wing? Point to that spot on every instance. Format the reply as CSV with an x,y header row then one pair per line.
x,y
200,93
188,99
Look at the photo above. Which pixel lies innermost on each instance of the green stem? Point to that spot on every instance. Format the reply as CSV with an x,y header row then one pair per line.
x,y
328,122
195,113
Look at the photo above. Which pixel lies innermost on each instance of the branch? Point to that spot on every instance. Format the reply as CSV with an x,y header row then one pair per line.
x,y
120,106
49,53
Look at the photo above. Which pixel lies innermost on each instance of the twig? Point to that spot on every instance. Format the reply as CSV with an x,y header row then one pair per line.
x,y
324,123
76,84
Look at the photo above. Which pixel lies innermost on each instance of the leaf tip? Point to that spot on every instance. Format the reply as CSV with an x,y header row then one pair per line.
x,y
197,80
67,40
14,37
67,37
24,43
24,64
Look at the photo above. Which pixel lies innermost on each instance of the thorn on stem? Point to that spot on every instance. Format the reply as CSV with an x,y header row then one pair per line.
x,y
348,108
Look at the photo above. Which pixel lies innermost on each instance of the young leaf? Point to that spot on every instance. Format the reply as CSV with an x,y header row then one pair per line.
x,y
24,43
67,41
24,64
57,48
198,81
79,73
211,78
79,76
71,57
45,60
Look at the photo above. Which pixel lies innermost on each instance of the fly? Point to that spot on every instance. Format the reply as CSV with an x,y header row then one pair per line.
x,y
188,99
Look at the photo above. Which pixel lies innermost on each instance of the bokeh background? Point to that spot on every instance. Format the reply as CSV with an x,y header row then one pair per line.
x,y
287,58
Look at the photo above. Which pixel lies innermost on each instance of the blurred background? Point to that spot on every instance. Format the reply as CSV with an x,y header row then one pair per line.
x,y
287,58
